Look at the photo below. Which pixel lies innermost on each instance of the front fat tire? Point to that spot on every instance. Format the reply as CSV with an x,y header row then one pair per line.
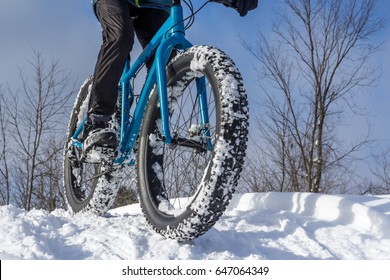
x,y
223,170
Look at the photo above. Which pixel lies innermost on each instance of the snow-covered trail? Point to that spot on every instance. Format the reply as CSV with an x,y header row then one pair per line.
x,y
269,226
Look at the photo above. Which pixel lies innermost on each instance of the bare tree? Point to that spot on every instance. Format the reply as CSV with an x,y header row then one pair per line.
x,y
36,126
317,61
381,173
5,179
49,179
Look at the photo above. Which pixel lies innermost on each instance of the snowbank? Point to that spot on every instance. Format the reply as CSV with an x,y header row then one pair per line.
x,y
256,226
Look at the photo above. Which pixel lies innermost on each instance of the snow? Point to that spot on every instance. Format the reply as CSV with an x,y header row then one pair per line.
x,y
256,226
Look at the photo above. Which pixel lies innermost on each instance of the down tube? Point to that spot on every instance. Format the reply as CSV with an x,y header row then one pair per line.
x,y
133,129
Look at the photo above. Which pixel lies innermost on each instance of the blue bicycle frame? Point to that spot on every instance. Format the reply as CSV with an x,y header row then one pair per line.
x,y
170,36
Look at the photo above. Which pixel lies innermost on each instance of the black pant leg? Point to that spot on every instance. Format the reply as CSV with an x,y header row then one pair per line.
x,y
146,25
118,39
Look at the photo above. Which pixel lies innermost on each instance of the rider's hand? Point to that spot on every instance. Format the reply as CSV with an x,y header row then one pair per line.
x,y
243,6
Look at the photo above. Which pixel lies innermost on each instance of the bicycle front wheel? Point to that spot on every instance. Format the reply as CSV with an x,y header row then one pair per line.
x,y
185,187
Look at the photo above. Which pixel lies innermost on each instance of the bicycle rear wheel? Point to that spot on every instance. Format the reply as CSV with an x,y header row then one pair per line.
x,y
185,187
88,187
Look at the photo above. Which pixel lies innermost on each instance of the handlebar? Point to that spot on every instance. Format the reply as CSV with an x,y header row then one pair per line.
x,y
229,3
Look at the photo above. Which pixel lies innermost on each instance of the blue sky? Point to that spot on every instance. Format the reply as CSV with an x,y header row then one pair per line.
x,y
68,31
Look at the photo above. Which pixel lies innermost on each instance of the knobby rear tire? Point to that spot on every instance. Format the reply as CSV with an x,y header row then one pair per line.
x,y
166,175
83,192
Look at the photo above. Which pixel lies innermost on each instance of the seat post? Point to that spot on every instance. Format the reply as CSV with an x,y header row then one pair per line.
x,y
176,2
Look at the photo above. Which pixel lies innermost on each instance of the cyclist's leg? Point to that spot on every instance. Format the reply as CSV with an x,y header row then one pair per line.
x,y
118,39
146,25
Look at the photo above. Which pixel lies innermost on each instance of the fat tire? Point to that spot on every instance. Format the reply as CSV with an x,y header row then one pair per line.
x,y
102,192
221,175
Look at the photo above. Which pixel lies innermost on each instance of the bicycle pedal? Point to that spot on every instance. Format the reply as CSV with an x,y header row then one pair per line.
x,y
98,154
